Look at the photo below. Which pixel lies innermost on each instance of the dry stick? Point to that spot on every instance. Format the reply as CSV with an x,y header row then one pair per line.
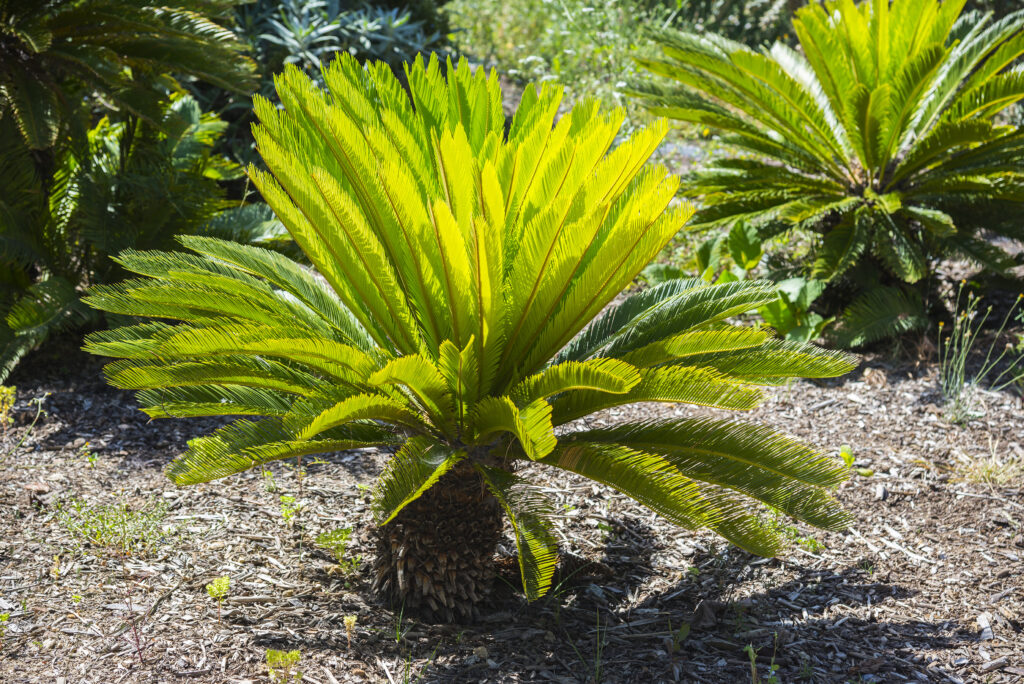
x,y
987,496
131,611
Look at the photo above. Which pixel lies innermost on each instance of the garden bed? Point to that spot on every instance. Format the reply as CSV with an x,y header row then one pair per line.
x,y
926,586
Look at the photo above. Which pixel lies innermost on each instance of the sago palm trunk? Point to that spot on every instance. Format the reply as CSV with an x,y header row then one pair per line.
x,y
436,558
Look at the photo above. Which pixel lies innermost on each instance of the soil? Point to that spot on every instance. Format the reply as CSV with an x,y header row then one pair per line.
x,y
925,586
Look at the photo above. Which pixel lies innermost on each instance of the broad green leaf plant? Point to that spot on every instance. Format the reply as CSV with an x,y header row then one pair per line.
x,y
882,138
459,315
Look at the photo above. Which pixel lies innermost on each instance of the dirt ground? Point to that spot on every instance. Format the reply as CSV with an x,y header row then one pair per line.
x,y
926,585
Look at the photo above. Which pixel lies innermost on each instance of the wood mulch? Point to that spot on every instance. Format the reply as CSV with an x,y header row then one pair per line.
x,y
926,585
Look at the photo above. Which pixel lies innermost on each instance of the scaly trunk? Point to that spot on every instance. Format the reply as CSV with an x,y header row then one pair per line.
x,y
436,558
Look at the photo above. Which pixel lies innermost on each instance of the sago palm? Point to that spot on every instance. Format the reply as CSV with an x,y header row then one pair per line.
x,y
881,137
457,271
52,52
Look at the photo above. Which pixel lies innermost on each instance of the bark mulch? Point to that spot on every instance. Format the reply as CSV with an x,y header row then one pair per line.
x,y
926,585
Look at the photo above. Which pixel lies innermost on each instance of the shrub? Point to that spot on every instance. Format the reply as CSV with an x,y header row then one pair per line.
x,y
880,140
754,22
588,47
457,273
55,53
311,33
139,185
73,191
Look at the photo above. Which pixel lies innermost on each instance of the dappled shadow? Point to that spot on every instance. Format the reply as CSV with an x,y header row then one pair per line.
x,y
696,631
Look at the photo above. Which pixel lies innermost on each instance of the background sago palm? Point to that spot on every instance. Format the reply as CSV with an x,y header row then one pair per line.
x,y
457,271
882,138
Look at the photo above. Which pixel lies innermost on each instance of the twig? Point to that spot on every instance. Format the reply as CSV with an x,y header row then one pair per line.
x,y
386,670
858,535
993,498
910,554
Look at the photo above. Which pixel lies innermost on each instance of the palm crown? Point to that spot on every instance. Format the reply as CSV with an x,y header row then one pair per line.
x,y
457,269
881,135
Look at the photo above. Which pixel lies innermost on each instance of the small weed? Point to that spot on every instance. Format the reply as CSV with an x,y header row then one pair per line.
x,y
88,454
960,392
996,469
7,395
289,509
679,636
283,666
350,625
776,520
269,484
399,632
218,590
773,668
336,542
806,669
4,617
115,527
76,598
600,640
122,533
846,453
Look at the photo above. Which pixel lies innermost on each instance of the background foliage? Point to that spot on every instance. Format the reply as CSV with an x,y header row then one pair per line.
x,y
881,142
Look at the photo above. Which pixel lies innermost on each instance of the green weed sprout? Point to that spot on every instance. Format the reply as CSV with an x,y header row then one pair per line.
x,y
282,666
218,591
336,542
4,617
846,453
289,509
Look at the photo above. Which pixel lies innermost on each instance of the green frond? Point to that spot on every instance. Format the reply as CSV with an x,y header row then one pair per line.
x,y
692,310
421,378
688,384
749,459
880,313
602,375
531,425
414,469
33,104
137,374
246,444
285,274
620,316
359,408
529,512
213,400
647,478
697,343
776,361
43,309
